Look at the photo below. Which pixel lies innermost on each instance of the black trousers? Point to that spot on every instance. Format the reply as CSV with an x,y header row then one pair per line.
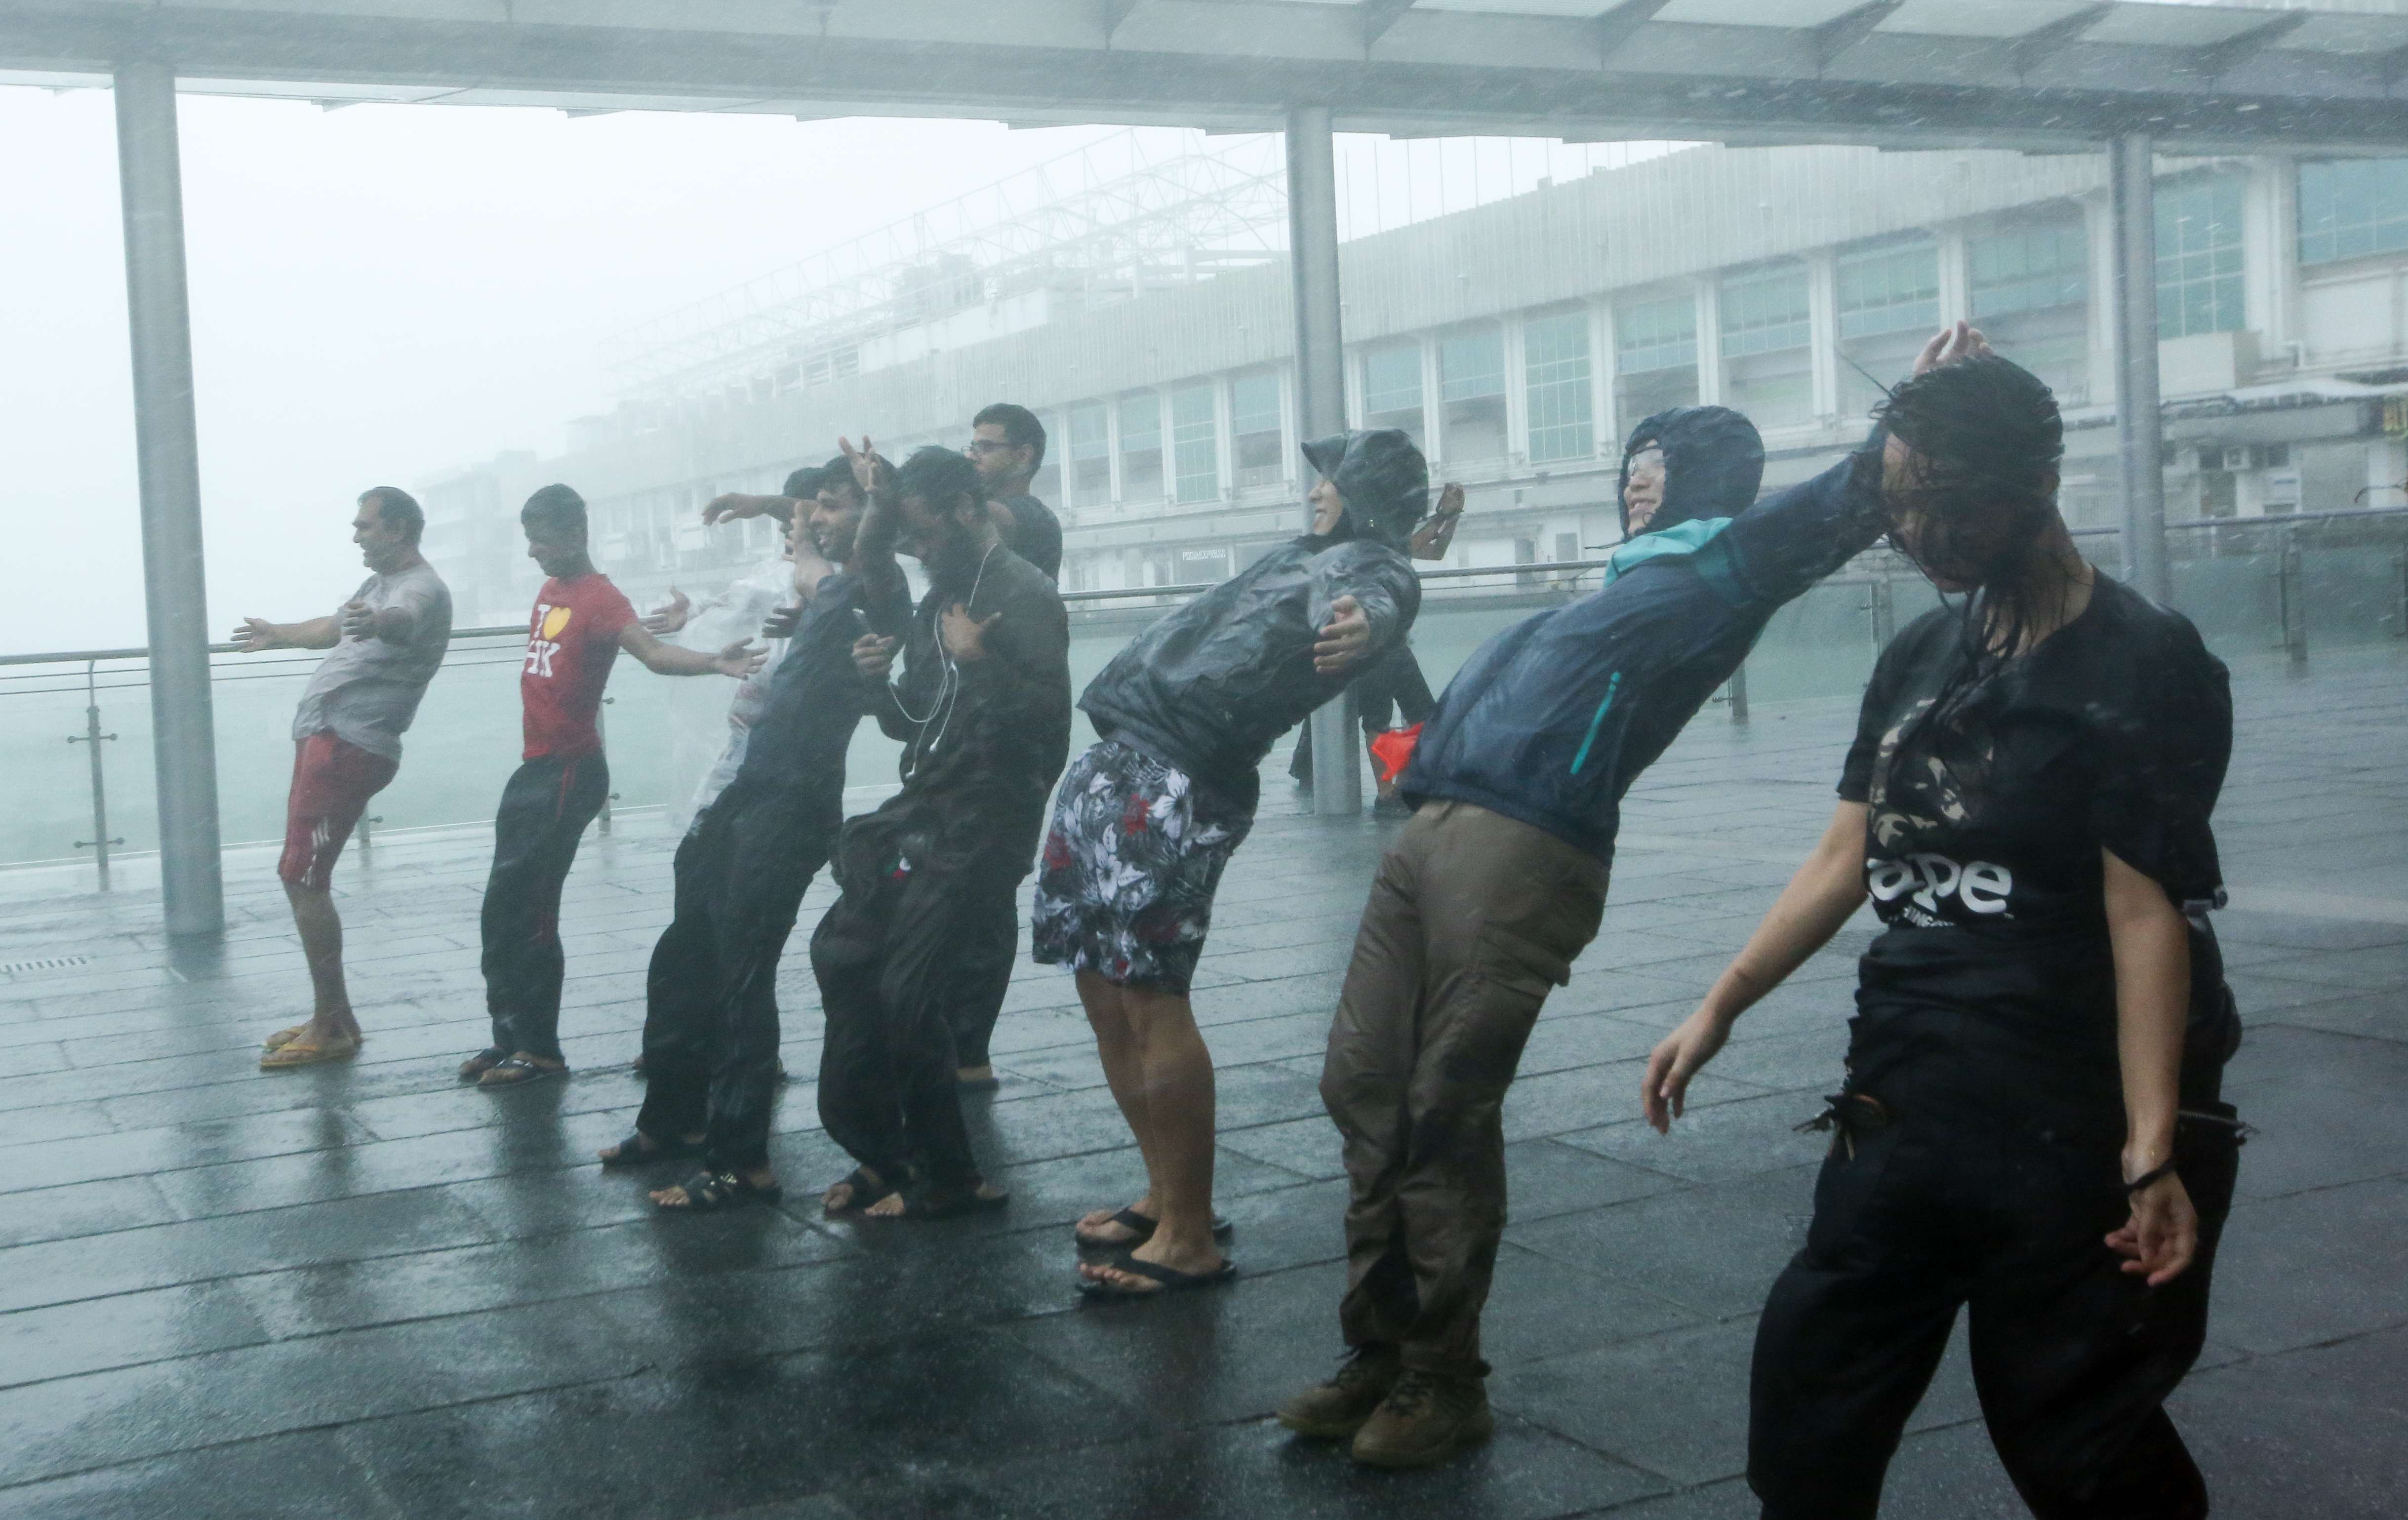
x,y
1394,687
710,1011
991,925
1982,1191
894,956
546,804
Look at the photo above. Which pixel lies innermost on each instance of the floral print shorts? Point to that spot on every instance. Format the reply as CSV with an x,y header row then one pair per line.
x,y
1131,862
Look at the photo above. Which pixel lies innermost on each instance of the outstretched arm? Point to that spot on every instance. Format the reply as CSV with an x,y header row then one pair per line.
x,y
1363,607
255,635
1819,899
739,659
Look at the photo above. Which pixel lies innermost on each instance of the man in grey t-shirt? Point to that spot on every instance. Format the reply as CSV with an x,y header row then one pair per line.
x,y
388,642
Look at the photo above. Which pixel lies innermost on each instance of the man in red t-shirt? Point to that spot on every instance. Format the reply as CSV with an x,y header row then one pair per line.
x,y
580,624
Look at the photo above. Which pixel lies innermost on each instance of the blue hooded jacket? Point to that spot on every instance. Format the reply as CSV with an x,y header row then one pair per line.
x,y
1551,720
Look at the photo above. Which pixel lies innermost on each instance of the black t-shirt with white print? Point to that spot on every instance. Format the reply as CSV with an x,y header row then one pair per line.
x,y
1986,819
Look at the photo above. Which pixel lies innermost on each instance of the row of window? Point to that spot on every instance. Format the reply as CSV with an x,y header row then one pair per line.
x,y
2029,282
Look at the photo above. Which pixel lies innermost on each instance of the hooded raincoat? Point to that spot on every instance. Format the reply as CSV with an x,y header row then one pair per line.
x,y
1551,721
1211,686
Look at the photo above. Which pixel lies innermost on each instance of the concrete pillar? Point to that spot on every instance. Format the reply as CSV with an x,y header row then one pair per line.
x,y
2140,425
1321,396
167,454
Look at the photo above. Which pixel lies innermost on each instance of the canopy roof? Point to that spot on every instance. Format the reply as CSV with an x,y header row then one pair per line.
x,y
2318,74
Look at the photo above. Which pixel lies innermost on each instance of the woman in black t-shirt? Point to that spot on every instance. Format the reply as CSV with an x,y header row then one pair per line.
x,y
2031,1125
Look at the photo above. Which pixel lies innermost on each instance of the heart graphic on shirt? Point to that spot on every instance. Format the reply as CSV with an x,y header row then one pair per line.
x,y
554,621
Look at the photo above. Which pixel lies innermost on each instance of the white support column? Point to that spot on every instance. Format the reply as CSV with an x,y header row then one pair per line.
x,y
1955,276
1601,379
1321,396
167,443
1517,392
2139,422
1710,342
1433,409
1823,333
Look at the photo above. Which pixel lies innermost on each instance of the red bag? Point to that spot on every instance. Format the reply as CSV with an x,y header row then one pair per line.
x,y
1393,749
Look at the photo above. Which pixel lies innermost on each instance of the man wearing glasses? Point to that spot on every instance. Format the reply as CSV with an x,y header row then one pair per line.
x,y
1008,445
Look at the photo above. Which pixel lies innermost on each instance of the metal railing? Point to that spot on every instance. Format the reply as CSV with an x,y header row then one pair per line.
x,y
1880,580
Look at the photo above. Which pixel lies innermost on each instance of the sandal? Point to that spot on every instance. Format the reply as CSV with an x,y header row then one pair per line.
x,y
1141,1230
298,1052
640,1150
484,1061
863,1188
934,1203
518,1070
1167,1279
706,1191
282,1037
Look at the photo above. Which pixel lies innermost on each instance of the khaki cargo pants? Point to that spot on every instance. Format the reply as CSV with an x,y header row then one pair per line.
x,y
1473,919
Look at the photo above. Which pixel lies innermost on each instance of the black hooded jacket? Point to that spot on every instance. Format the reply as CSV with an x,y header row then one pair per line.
x,y
1551,721
1213,684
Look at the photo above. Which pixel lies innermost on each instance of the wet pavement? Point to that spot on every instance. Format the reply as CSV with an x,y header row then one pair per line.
x,y
367,1291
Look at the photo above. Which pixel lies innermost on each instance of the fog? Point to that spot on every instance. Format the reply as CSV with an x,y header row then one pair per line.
x,y
380,292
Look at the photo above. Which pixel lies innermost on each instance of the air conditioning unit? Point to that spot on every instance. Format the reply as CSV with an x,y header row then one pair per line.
x,y
2239,458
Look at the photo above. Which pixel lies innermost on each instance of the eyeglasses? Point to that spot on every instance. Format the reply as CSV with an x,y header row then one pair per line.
x,y
981,447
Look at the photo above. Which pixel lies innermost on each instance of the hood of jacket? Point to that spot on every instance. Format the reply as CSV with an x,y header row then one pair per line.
x,y
1383,477
1714,463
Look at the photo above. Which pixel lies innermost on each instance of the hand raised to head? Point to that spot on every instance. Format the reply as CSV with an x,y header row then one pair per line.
x,y
1951,345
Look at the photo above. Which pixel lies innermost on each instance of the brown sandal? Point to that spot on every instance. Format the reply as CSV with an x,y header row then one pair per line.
x,y
296,1053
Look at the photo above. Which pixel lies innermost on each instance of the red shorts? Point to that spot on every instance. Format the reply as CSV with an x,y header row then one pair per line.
x,y
332,782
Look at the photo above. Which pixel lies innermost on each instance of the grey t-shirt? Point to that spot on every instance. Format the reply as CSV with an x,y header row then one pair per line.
x,y
368,690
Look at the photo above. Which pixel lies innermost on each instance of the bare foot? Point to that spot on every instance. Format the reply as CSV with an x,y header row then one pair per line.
x,y
1195,1263
676,1197
843,1196
1099,1228
894,1205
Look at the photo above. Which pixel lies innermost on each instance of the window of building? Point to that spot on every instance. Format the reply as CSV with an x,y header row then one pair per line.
x,y
1195,444
2029,268
1254,428
2353,207
1141,448
1888,304
1655,356
1472,387
2198,255
1766,327
1392,389
1091,456
1554,358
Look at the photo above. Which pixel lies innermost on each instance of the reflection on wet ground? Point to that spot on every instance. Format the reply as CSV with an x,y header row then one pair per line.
x,y
367,1291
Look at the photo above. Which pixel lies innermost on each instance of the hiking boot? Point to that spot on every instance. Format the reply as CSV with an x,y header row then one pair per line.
x,y
1426,1419
1337,1409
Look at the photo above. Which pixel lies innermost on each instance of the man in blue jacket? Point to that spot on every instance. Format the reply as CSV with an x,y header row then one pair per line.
x,y
1498,882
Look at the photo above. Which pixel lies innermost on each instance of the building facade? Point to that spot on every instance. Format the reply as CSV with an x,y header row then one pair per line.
x,y
1520,340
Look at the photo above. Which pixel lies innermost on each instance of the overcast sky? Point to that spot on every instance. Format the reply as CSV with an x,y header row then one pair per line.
x,y
379,294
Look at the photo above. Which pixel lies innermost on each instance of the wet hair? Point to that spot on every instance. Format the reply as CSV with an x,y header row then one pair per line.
x,y
1987,439
804,484
837,475
554,506
942,478
1021,428
397,509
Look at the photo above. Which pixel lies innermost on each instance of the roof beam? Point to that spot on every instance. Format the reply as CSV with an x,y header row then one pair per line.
x,y
1622,22
2219,58
1378,15
2028,53
1845,30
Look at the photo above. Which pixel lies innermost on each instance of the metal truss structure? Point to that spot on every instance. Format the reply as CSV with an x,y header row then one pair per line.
x,y
1101,223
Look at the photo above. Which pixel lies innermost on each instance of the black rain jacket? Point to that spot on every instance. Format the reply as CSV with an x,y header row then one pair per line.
x,y
1551,720
1211,686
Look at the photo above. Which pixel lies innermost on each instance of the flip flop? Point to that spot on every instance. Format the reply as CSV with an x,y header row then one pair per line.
x,y
708,1191
1172,1279
484,1061
867,1188
297,1053
282,1037
640,1150
1129,1219
518,1071
931,1204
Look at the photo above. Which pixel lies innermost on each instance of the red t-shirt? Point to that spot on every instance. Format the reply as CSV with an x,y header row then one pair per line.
x,y
571,640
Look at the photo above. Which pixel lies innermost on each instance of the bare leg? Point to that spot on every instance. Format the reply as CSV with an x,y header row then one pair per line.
x,y
1178,1096
1116,1045
322,941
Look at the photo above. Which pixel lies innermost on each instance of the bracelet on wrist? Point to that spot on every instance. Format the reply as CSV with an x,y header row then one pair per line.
x,y
2150,1178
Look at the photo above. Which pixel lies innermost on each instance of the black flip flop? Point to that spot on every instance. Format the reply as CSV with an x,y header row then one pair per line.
x,y
867,1188
476,1065
1171,1278
518,1072
708,1191
931,1204
1131,1220
640,1150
